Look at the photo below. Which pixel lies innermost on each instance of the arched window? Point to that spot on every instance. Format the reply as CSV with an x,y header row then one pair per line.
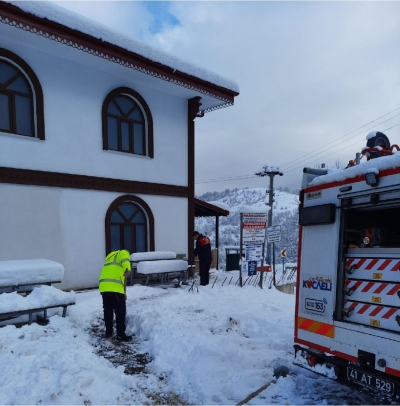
x,y
21,98
127,123
129,225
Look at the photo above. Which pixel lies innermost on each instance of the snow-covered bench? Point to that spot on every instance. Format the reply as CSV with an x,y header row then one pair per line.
x,y
25,288
160,264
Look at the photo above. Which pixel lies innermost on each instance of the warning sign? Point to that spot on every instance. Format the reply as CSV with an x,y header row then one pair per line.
x,y
283,253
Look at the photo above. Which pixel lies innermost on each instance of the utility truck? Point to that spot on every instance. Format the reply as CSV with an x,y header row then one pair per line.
x,y
347,319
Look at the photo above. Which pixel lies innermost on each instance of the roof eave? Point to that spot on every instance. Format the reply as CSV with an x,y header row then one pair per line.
x,y
208,206
14,16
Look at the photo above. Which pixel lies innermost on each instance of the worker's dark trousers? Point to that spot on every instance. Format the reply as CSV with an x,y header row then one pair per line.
x,y
204,272
114,302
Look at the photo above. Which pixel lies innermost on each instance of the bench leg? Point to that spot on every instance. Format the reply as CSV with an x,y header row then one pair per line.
x,y
45,314
30,318
147,279
64,313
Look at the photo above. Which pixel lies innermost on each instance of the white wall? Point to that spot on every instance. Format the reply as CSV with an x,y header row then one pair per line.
x,y
73,97
68,226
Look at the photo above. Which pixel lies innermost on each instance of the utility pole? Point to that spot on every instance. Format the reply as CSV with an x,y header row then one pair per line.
x,y
270,171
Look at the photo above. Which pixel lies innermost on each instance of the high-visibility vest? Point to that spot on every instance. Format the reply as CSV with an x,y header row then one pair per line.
x,y
112,277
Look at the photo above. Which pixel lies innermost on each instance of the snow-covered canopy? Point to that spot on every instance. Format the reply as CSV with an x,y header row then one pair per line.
x,y
373,165
221,205
40,297
53,12
152,267
152,255
29,271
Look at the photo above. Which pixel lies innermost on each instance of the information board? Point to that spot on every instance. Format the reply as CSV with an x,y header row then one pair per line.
x,y
274,233
254,226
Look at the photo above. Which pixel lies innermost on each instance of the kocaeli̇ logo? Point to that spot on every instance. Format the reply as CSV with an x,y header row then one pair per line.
x,y
318,283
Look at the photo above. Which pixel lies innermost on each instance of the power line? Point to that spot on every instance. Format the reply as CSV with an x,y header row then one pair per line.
x,y
317,149
291,164
297,167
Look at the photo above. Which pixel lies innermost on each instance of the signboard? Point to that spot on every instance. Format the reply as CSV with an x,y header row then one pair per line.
x,y
254,226
249,267
283,253
274,233
253,252
252,270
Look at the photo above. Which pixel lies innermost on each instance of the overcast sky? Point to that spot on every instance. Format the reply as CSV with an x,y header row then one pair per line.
x,y
315,78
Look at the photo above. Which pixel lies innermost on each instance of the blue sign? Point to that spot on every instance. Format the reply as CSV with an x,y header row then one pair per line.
x,y
252,268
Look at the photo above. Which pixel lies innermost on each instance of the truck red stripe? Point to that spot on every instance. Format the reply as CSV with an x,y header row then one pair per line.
x,y
396,267
380,287
367,287
363,308
306,324
324,329
376,310
394,290
359,263
389,313
384,264
371,264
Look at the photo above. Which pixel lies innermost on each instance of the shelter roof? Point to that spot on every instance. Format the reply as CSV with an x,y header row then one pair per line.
x,y
204,209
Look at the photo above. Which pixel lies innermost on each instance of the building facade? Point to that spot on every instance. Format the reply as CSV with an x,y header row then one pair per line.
x,y
96,141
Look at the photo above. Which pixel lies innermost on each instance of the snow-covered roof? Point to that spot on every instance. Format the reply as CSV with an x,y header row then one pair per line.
x,y
48,11
221,205
209,209
29,271
373,165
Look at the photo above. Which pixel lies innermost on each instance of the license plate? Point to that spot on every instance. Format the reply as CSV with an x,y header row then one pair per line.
x,y
370,381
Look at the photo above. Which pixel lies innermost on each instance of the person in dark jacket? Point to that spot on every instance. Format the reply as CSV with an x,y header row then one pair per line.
x,y
203,251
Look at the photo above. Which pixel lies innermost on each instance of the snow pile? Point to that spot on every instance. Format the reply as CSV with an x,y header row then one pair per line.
x,y
152,267
53,12
29,271
215,346
374,165
212,347
152,255
40,297
56,364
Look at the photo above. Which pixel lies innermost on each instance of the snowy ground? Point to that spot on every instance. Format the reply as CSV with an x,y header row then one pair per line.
x,y
211,346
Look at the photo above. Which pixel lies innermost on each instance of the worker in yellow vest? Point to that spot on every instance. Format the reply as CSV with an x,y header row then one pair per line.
x,y
112,286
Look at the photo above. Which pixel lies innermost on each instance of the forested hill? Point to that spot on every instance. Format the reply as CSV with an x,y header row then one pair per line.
x,y
285,213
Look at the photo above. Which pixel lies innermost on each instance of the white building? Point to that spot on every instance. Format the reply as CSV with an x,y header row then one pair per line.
x,y
96,141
